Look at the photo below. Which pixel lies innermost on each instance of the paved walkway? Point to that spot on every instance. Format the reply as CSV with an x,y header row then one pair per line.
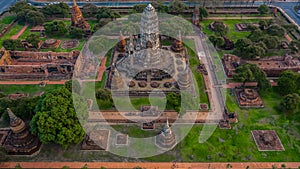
x,y
148,165
237,17
14,37
248,84
101,69
30,82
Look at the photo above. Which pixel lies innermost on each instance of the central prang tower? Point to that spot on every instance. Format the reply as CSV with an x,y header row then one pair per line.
x,y
149,29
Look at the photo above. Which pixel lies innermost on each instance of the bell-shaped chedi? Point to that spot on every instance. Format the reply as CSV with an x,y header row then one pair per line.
x,y
177,45
20,141
116,81
121,46
166,139
183,78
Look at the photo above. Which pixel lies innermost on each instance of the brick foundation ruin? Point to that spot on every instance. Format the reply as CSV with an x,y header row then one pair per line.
x,y
25,65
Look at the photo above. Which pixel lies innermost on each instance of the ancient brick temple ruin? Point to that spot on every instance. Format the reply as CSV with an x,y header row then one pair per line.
x,y
267,140
247,98
166,139
19,140
78,20
272,66
143,64
20,65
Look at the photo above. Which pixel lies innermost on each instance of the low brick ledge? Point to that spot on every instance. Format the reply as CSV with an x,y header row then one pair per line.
x,y
148,165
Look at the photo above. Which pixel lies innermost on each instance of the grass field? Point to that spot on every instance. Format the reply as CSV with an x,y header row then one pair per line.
x,y
233,34
14,30
235,145
31,89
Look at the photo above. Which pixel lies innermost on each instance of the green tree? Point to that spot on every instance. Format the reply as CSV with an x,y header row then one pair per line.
x,y
56,10
251,72
290,103
295,45
104,98
242,43
203,13
255,35
20,6
263,9
177,7
290,27
107,13
34,17
159,6
89,10
220,29
263,24
77,33
10,44
56,119
270,41
139,8
217,41
56,28
288,82
173,101
22,107
33,39
276,30
73,86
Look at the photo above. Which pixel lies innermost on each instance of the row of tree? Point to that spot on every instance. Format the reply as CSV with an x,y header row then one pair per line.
x,y
260,40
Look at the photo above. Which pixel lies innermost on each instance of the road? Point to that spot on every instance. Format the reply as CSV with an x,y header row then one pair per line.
x,y
288,7
213,86
4,4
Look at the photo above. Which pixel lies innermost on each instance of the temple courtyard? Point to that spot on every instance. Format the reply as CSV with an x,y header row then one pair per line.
x,y
258,130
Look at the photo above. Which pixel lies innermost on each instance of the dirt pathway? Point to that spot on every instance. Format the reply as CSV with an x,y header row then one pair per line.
x,y
237,17
101,69
14,37
30,82
149,165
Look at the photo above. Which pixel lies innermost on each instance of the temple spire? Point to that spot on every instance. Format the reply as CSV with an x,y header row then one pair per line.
x,y
74,3
11,115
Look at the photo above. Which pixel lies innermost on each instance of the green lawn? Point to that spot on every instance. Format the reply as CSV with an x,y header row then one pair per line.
x,y
8,19
233,34
14,30
238,143
31,89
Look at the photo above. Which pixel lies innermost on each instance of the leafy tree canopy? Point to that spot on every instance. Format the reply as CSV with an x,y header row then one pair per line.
x,y
10,44
177,7
203,13
251,72
106,13
33,39
290,103
89,10
263,9
56,119
60,10
288,83
56,28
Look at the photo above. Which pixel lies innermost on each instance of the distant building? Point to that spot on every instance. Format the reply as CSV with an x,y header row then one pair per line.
x,y
272,66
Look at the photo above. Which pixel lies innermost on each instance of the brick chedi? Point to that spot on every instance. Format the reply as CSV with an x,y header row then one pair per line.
x,y
121,46
20,141
166,139
27,65
196,15
78,20
177,44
